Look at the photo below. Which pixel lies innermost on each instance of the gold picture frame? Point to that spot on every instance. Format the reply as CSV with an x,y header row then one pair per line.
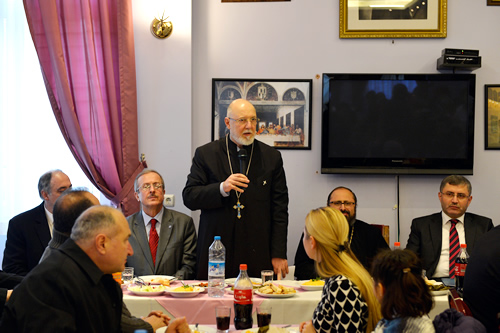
x,y
400,19
493,2
492,116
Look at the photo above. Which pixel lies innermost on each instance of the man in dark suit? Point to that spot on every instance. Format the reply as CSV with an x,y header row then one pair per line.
x,y
365,240
29,233
429,236
174,232
243,197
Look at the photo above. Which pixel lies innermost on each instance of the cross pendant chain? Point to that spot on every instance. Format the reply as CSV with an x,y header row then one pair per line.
x,y
239,207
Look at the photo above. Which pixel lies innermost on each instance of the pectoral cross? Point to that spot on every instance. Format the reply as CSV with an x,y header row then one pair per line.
x,y
239,206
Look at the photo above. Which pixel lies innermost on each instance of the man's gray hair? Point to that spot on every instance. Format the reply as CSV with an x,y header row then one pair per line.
x,y
92,221
44,182
142,173
456,180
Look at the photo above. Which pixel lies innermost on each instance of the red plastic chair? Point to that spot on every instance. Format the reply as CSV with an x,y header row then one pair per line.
x,y
457,303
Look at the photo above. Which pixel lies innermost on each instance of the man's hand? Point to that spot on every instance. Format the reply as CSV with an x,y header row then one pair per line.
x,y
178,325
280,267
237,182
157,319
307,327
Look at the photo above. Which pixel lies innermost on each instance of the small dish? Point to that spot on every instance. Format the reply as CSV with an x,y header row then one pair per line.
x,y
147,290
275,295
196,291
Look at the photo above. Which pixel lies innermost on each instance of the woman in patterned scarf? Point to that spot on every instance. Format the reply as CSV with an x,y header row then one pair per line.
x,y
404,296
348,302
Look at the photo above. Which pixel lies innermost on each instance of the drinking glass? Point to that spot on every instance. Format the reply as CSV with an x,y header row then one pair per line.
x,y
266,275
128,275
263,315
223,318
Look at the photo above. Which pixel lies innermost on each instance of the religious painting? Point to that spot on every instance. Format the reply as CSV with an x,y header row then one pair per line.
x,y
392,19
283,107
492,116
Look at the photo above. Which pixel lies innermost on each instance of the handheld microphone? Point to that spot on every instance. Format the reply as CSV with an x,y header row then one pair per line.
x,y
242,155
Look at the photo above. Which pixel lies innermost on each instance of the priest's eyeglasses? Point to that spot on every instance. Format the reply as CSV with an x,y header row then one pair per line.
x,y
451,195
338,204
244,121
147,187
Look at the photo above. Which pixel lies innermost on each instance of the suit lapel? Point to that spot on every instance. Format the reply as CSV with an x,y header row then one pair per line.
x,y
139,231
436,232
42,227
470,231
165,234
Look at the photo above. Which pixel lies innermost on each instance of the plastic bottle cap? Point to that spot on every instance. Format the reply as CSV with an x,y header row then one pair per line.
x,y
463,245
217,238
243,267
397,244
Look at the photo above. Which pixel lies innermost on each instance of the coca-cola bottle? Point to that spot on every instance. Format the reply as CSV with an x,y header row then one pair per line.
x,y
460,266
243,292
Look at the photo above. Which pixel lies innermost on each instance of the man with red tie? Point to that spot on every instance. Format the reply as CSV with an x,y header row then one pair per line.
x,y
163,240
436,238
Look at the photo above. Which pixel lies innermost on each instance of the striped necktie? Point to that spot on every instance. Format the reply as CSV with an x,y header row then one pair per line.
x,y
153,240
454,246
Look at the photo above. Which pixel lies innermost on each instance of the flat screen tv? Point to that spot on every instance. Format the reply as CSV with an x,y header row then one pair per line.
x,y
398,123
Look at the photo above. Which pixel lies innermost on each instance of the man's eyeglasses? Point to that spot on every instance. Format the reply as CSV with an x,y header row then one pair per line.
x,y
244,121
147,187
346,204
451,195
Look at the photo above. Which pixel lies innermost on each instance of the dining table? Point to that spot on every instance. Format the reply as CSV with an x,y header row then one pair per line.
x,y
200,309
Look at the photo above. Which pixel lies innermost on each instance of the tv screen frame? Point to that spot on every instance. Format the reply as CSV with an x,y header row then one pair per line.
x,y
353,134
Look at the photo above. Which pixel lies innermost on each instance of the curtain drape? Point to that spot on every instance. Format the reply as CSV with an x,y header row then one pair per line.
x,y
86,53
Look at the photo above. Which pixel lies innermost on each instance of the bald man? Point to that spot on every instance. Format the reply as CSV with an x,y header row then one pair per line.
x,y
248,208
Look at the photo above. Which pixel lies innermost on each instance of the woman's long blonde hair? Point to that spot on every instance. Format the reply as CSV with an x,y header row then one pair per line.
x,y
329,227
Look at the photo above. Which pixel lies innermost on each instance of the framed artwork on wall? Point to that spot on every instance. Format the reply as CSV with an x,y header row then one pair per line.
x,y
284,109
393,19
252,0
492,116
493,2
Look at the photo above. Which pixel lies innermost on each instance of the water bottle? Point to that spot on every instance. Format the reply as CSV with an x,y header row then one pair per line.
x,y
397,246
460,266
216,268
243,304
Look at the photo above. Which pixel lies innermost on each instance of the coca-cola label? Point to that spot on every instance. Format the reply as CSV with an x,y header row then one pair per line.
x,y
243,296
460,269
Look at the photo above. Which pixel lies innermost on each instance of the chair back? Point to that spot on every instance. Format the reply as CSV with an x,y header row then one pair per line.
x,y
457,303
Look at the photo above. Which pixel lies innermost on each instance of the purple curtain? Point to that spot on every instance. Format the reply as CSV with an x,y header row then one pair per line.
x,y
86,53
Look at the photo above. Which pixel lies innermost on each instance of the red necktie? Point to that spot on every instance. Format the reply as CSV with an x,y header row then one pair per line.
x,y
454,247
153,240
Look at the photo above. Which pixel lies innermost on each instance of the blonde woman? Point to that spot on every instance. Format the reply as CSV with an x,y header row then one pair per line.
x,y
348,302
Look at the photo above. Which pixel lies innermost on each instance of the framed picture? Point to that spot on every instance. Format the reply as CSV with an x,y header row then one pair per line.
x,y
252,0
493,2
393,19
492,116
283,109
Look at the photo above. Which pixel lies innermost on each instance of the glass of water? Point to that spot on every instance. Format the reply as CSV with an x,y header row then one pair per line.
x,y
266,275
128,275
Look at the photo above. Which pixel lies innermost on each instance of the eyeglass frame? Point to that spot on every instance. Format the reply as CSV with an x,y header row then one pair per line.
x,y
147,187
451,195
244,121
347,204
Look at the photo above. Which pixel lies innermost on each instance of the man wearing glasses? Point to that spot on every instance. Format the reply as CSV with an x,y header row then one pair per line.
x,y
240,186
431,236
365,240
163,240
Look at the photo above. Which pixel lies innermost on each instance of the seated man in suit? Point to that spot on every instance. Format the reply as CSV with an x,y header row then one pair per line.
x,y
365,240
30,232
164,241
431,236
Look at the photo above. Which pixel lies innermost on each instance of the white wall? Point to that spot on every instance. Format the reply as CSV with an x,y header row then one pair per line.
x,y
290,40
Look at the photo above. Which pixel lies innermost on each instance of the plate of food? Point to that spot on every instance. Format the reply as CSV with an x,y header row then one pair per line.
x,y
203,285
274,290
275,329
313,284
185,291
437,288
147,290
202,328
157,279
255,281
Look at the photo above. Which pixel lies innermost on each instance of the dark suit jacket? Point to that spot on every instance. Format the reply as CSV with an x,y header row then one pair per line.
x,y
27,236
176,254
7,281
426,235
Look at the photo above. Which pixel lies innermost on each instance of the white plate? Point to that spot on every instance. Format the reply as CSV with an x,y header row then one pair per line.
x,y
159,290
439,292
230,282
275,295
195,292
312,288
276,329
197,284
148,278
203,328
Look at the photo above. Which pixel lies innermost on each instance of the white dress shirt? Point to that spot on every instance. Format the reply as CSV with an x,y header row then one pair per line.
x,y
147,222
443,267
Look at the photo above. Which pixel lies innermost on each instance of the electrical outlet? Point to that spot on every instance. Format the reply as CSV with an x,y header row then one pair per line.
x,y
168,200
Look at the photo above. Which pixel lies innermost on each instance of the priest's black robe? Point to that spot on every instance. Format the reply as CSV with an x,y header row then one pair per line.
x,y
261,232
